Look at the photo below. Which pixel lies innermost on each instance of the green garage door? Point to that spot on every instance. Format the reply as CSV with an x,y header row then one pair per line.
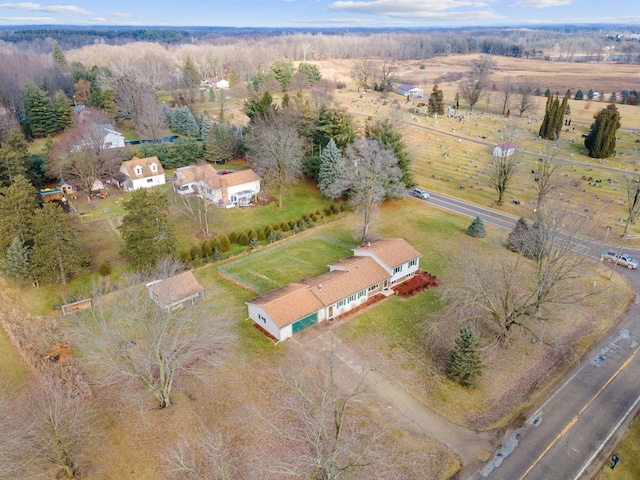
x,y
305,322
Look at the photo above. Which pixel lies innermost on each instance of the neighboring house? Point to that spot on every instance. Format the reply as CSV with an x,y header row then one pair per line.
x,y
504,150
222,84
111,138
225,187
67,188
413,92
175,292
141,173
208,82
371,270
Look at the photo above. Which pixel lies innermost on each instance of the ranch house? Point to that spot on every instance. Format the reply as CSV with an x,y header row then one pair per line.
x,y
372,270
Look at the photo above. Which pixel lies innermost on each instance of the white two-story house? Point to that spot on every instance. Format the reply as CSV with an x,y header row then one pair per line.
x,y
142,173
226,187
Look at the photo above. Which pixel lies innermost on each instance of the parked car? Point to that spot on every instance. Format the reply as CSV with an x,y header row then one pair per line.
x,y
621,259
418,192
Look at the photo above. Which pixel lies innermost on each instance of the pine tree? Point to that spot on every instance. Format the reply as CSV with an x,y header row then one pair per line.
x,y
601,140
58,55
329,169
465,366
590,94
56,253
39,111
14,157
219,146
205,126
16,265
547,92
147,233
168,114
191,128
225,244
476,228
18,204
518,237
63,109
436,102
579,95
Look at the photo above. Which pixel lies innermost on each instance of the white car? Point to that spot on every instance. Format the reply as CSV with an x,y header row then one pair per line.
x,y
418,192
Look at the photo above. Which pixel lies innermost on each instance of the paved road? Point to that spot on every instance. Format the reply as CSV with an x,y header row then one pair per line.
x,y
574,431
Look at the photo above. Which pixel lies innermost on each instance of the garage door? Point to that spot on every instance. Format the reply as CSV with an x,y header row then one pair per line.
x,y
305,322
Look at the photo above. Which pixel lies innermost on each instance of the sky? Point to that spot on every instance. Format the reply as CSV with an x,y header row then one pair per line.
x,y
320,13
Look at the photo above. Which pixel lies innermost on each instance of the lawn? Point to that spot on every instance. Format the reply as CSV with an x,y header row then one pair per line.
x,y
12,371
296,260
628,468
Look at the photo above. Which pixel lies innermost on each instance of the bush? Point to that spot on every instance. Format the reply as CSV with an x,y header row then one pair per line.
x,y
104,270
305,217
276,226
285,227
225,244
217,243
327,211
334,208
252,234
185,256
313,218
309,223
476,229
318,213
207,249
217,255
291,224
261,235
272,237
253,243
233,237
341,208
243,239
196,252
268,230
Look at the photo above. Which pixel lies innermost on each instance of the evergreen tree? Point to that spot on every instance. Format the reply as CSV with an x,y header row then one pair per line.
x,y
311,71
16,265
168,114
436,102
590,94
601,140
568,93
553,118
63,110
476,228
283,71
256,108
547,92
465,366
336,124
56,253
39,110
205,126
389,136
191,128
14,157
58,55
18,203
219,146
579,95
225,244
329,169
190,80
518,237
146,231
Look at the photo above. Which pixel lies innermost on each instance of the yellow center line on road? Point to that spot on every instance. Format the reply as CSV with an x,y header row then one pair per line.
x,y
575,419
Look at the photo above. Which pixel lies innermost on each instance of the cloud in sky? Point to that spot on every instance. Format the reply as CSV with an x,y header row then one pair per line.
x,y
342,20
121,15
26,20
420,9
541,3
36,7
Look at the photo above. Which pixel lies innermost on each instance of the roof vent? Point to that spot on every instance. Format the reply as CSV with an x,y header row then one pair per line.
x,y
320,287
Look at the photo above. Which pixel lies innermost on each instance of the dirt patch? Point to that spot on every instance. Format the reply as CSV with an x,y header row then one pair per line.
x,y
59,353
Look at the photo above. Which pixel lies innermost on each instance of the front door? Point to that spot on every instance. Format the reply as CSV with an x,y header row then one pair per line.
x,y
331,311
385,284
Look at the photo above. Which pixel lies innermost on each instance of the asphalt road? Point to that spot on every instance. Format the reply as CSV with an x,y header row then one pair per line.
x,y
573,434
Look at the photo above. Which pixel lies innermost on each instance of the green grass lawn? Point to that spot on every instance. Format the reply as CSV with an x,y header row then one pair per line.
x,y
296,260
628,468
12,371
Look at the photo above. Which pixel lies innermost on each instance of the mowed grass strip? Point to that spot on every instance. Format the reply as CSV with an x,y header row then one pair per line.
x,y
296,261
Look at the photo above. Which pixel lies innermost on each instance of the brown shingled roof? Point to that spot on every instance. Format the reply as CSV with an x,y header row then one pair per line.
x,y
336,285
288,304
177,287
239,177
202,172
392,251
145,163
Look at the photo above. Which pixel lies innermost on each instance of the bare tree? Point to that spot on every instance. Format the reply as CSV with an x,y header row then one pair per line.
x,y
83,155
386,76
320,416
526,99
470,90
299,82
275,153
129,91
500,171
221,98
129,339
322,93
371,175
151,122
63,425
196,206
506,91
207,455
545,175
16,434
483,66
516,291
633,202
362,72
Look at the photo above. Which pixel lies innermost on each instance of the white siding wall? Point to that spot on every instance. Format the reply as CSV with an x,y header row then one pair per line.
x,y
405,270
259,316
254,186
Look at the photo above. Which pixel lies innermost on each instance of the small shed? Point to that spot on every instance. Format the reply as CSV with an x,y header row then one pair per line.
x,y
50,195
413,92
177,291
504,149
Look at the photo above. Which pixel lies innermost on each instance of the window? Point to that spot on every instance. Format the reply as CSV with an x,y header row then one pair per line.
x,y
138,170
373,287
362,293
413,263
149,180
183,188
154,167
340,303
260,317
398,269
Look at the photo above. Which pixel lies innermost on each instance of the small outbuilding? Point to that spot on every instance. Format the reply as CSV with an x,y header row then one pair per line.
x,y
177,291
413,92
504,150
